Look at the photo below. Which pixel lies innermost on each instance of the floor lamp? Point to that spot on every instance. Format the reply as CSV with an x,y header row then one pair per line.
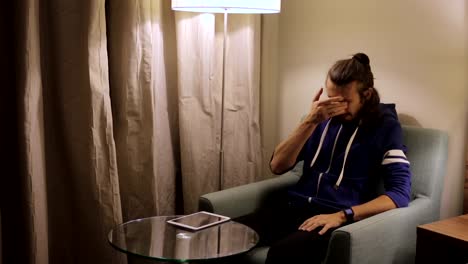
x,y
225,7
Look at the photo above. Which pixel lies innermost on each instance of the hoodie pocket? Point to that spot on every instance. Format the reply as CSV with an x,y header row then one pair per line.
x,y
307,184
349,192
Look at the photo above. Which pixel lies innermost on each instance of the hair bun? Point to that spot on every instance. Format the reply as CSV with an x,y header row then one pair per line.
x,y
362,58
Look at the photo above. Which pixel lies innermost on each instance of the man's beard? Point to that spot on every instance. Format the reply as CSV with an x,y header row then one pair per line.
x,y
344,118
348,118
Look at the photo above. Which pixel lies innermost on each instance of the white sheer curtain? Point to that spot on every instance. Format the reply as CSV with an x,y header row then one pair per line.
x,y
119,114
199,49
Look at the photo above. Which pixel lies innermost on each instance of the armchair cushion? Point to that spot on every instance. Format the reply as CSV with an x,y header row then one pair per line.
x,y
244,200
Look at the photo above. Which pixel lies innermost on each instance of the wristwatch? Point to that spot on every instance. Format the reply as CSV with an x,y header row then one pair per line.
x,y
349,214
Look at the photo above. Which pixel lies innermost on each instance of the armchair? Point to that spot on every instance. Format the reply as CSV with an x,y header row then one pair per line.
x,y
389,237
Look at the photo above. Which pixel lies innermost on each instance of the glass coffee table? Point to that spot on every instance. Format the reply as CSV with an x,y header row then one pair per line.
x,y
153,238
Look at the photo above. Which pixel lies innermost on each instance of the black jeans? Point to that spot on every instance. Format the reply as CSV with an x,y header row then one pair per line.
x,y
278,226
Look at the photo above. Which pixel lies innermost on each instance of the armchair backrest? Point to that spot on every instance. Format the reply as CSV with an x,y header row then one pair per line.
x,y
427,152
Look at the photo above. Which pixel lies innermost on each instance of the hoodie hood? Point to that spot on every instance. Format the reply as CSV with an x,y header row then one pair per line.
x,y
388,111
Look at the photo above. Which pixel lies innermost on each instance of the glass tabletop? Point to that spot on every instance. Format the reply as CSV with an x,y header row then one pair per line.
x,y
154,238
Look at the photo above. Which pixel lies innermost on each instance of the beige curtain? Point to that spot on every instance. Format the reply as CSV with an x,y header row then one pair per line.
x,y
144,100
66,131
118,117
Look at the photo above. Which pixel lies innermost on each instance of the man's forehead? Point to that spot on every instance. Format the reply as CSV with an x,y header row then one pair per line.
x,y
338,88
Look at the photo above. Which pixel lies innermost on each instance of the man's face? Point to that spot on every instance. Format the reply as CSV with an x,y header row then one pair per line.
x,y
351,96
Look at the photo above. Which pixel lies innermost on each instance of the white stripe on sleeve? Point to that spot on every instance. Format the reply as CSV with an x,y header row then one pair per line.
x,y
395,152
394,160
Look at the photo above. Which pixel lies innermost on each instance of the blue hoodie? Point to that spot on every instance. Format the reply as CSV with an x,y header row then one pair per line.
x,y
344,162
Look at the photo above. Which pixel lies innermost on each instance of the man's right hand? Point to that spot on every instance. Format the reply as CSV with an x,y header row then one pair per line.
x,y
286,153
325,109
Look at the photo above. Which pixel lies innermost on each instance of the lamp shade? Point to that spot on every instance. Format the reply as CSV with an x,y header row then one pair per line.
x,y
228,6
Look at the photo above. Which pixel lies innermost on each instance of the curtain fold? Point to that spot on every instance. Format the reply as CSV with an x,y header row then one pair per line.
x,y
242,146
82,175
32,133
198,65
144,103
118,106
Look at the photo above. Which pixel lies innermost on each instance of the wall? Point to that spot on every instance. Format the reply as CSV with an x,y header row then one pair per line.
x,y
465,200
269,89
418,55
465,203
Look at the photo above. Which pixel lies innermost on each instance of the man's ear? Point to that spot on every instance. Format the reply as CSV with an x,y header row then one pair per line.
x,y
368,93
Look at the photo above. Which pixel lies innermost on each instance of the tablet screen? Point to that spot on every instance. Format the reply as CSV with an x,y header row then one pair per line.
x,y
199,220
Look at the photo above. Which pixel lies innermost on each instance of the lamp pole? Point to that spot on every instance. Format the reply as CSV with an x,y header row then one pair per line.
x,y
221,141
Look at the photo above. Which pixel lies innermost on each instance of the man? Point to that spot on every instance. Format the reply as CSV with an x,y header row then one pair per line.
x,y
348,142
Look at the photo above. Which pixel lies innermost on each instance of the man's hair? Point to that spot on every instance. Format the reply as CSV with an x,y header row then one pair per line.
x,y
358,69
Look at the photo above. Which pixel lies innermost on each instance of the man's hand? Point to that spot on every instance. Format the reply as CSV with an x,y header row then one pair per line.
x,y
326,221
322,110
285,154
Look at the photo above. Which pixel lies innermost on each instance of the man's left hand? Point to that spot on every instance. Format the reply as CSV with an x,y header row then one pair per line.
x,y
326,221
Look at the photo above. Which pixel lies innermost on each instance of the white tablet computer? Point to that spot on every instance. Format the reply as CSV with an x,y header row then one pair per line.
x,y
198,220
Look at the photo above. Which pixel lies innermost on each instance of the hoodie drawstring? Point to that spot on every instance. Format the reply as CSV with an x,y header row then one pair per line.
x,y
333,150
348,147
322,138
331,159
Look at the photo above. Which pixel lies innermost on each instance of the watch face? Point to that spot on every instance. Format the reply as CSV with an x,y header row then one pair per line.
x,y
349,213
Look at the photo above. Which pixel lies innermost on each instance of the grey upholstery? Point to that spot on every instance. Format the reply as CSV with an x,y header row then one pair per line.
x,y
389,237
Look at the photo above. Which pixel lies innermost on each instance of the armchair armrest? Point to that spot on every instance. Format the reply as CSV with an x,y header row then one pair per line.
x,y
389,237
243,200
